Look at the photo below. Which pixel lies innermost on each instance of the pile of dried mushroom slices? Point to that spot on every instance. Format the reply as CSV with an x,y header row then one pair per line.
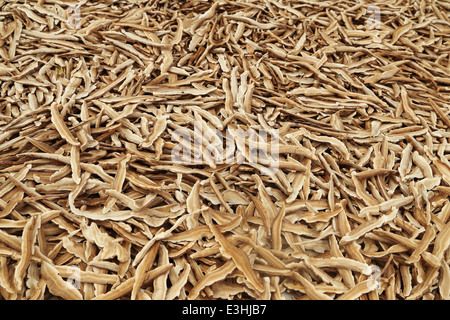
x,y
94,94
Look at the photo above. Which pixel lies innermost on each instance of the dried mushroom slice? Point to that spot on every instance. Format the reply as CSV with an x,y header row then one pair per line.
x,y
232,150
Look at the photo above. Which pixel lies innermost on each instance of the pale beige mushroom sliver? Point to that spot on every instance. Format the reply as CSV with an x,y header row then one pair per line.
x,y
28,239
143,267
212,277
369,226
311,291
238,256
175,289
428,236
126,286
358,290
57,285
61,126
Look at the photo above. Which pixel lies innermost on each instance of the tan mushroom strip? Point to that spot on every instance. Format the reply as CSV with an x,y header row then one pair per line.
x,y
266,220
127,286
9,207
75,164
238,256
439,112
5,281
61,126
212,277
420,289
203,231
358,113
160,282
361,192
311,291
219,195
336,262
158,128
57,285
112,84
411,244
427,238
444,283
28,239
118,182
386,205
358,290
276,228
91,168
162,234
175,290
266,254
442,242
368,226
86,276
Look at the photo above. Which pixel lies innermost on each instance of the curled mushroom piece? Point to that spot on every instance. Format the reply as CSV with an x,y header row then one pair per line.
x,y
241,150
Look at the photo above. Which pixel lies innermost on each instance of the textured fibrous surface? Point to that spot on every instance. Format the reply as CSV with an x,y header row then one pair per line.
x,y
115,115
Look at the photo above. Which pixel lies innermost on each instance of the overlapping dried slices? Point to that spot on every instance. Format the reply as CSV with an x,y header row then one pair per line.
x,y
224,150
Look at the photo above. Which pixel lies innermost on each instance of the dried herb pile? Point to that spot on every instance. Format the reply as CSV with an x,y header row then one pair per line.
x,y
95,97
